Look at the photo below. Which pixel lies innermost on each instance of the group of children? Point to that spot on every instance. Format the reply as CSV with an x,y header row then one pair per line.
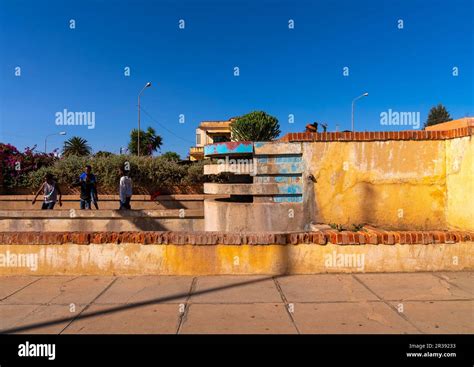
x,y
88,185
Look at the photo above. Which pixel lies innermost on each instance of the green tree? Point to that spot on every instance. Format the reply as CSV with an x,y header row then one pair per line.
x,y
103,153
172,156
255,126
149,141
437,115
76,146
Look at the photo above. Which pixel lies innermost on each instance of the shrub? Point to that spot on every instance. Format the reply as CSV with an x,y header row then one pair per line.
x,y
255,126
147,173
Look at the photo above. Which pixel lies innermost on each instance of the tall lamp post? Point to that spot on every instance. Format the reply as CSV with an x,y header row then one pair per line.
x,y
353,101
138,139
47,136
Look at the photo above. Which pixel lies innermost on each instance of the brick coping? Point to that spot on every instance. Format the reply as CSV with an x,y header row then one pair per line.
x,y
369,237
379,135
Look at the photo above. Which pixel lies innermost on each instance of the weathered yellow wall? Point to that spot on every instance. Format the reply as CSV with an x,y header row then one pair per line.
x,y
390,184
136,259
460,183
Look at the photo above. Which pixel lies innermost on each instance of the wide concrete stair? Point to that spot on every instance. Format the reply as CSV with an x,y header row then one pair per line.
x,y
160,213
108,202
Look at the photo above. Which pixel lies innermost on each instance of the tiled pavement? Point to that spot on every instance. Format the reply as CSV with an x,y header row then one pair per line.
x,y
325,303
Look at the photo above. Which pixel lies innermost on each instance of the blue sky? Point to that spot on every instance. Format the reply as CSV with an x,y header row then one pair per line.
x,y
282,71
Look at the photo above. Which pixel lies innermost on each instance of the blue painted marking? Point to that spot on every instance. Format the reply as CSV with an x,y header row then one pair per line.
x,y
228,148
284,179
288,199
290,189
294,158
289,159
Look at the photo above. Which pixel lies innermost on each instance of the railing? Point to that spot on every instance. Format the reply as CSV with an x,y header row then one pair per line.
x,y
196,150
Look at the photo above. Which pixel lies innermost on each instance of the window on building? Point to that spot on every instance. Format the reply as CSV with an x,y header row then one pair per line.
x,y
198,139
220,138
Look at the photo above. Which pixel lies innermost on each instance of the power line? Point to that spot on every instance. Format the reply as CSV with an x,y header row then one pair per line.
x,y
164,127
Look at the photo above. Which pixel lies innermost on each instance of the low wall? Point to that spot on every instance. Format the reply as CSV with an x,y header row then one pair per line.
x,y
206,253
101,220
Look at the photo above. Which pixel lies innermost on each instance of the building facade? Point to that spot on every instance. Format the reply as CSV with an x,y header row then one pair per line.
x,y
210,132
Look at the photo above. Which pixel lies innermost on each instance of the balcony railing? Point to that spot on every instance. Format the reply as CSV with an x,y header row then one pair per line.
x,y
196,150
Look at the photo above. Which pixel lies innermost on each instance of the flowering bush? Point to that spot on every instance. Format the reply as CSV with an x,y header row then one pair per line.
x,y
16,165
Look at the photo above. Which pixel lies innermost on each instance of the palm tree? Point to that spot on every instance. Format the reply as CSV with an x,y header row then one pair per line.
x,y
149,141
76,146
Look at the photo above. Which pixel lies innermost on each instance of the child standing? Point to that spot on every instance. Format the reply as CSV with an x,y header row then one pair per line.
x,y
51,192
125,189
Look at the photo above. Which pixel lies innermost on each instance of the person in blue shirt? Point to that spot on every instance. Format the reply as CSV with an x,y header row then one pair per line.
x,y
93,179
88,183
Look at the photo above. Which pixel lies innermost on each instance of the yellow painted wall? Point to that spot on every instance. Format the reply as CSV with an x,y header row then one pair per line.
x,y
460,183
390,184
136,259
424,185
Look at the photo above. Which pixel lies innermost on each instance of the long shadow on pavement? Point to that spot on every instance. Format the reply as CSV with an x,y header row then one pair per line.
x,y
126,307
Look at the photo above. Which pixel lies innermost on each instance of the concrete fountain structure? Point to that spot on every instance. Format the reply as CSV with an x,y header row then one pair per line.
x,y
266,186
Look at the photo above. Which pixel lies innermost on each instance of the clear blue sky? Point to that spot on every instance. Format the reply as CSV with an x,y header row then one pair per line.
x,y
282,71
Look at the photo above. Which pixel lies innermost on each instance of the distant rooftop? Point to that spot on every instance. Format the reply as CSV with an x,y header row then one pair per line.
x,y
454,124
216,124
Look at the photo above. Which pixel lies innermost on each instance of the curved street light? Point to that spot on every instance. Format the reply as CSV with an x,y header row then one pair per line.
x,y
353,101
147,85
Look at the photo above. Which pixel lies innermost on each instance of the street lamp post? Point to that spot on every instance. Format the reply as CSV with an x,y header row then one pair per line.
x,y
47,136
353,101
138,139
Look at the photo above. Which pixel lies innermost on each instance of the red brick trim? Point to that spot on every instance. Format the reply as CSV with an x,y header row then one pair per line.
x,y
370,236
379,135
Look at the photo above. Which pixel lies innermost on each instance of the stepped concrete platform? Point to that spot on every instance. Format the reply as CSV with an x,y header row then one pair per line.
x,y
101,220
109,202
415,303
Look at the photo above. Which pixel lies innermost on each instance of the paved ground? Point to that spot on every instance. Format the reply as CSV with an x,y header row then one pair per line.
x,y
326,303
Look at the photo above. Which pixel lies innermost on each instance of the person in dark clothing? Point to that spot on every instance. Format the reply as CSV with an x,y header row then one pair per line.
x,y
93,180
87,186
